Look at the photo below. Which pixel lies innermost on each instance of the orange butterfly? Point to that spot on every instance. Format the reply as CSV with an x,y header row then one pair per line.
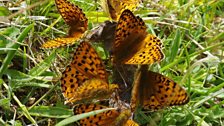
x,y
133,45
107,118
154,91
115,7
85,78
75,18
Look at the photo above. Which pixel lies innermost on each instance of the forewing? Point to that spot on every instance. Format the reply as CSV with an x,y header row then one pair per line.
x,y
149,53
128,25
165,92
87,61
71,13
71,79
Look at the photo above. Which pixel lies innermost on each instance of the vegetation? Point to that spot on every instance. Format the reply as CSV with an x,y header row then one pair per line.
x,y
193,37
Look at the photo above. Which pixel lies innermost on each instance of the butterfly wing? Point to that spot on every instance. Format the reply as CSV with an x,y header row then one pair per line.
x,y
129,35
136,93
85,66
123,119
110,9
88,62
59,42
164,92
131,123
107,118
116,7
149,53
92,89
101,119
73,16
71,79
121,5
154,91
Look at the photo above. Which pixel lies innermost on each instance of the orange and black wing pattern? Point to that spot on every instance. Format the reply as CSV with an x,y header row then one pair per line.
x,y
75,18
154,91
133,45
106,118
86,77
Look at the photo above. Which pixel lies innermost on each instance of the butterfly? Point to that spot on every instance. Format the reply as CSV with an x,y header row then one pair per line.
x,y
75,18
133,45
85,78
106,118
115,7
103,33
154,91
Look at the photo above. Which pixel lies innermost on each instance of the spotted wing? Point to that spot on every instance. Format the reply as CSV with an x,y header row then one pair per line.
x,y
76,20
101,119
149,53
59,42
86,65
94,89
121,5
116,7
165,92
129,25
87,61
71,79
131,123
73,16
107,118
154,91
129,35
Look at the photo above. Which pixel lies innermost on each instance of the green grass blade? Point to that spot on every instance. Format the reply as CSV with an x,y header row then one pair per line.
x,y
15,46
43,66
175,46
51,112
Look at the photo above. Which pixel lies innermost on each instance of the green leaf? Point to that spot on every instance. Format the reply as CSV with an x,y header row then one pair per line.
x,y
43,66
19,79
5,103
10,32
15,46
4,11
175,46
51,112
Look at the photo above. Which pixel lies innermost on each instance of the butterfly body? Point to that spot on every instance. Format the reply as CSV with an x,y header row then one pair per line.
x,y
133,45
